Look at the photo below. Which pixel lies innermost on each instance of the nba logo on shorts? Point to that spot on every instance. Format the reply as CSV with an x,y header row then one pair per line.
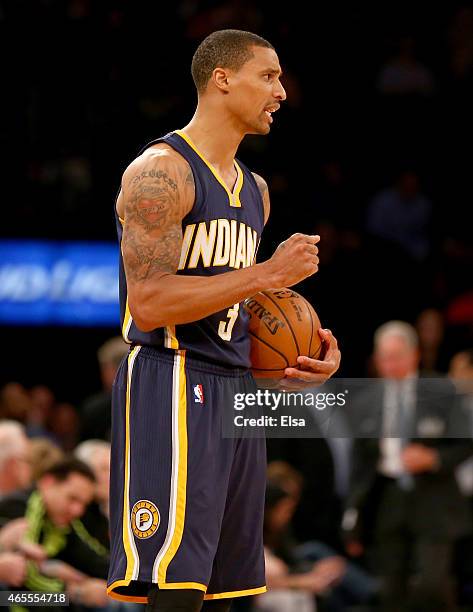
x,y
198,394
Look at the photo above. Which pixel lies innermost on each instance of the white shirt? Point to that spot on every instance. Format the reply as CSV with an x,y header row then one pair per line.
x,y
390,463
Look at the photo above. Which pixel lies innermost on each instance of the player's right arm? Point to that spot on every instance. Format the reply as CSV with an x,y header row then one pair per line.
x,y
157,193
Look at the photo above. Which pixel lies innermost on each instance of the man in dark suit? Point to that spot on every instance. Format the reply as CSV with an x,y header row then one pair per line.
x,y
403,491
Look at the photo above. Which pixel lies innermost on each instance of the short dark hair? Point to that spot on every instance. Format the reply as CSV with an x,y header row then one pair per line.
x,y
62,469
224,49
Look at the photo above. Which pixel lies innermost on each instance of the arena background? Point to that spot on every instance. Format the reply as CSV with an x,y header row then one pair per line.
x,y
372,150
374,94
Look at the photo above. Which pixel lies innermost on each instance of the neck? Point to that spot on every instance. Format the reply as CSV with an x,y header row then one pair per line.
x,y
215,133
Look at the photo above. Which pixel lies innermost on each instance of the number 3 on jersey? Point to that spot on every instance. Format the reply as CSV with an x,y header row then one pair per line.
x,y
225,327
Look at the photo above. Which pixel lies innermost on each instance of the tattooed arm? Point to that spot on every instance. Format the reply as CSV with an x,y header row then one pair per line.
x,y
157,193
263,188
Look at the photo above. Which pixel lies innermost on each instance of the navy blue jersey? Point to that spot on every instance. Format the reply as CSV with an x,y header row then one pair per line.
x,y
221,233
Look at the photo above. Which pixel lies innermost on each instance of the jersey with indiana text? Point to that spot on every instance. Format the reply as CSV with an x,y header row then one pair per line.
x,y
221,233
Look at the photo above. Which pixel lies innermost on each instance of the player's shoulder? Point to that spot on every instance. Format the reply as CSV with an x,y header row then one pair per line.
x,y
263,189
159,156
159,166
262,184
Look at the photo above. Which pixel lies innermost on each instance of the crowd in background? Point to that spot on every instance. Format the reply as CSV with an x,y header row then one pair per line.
x,y
330,535
371,152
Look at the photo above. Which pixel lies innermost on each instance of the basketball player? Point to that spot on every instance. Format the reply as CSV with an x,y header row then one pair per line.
x,y
186,504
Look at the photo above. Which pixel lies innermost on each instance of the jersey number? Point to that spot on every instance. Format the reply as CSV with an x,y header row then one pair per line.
x,y
225,327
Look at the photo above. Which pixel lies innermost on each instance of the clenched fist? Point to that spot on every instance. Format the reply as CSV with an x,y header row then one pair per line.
x,y
294,260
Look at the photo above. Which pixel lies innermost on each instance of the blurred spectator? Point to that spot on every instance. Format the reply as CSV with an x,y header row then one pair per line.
x,y
96,411
15,402
12,569
52,512
42,407
461,372
287,477
461,366
323,461
430,328
402,214
64,426
16,551
318,515
96,454
44,454
15,458
404,73
290,590
353,586
405,485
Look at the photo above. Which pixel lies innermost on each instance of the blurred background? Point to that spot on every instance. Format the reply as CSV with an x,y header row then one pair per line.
x,y
372,150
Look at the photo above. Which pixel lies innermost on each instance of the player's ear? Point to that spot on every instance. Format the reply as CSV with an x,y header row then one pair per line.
x,y
220,78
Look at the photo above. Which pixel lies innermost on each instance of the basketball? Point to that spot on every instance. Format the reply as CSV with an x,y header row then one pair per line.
x,y
282,326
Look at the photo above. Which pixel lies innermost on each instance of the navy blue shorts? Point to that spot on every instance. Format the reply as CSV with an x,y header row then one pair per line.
x,y
186,504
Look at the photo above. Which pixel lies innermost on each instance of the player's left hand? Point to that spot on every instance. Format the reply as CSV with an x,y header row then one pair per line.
x,y
314,372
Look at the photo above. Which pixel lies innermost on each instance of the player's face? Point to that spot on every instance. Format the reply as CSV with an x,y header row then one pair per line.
x,y
256,91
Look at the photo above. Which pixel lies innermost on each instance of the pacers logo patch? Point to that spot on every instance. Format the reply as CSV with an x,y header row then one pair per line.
x,y
198,394
145,519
